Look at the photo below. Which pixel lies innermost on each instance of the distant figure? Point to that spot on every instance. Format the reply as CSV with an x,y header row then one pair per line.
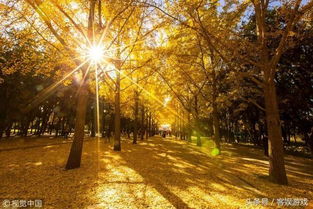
x,y
66,131
164,134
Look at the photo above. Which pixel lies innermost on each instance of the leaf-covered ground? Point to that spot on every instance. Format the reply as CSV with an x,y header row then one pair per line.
x,y
156,173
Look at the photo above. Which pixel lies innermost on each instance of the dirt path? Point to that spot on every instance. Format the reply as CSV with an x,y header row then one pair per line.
x,y
156,173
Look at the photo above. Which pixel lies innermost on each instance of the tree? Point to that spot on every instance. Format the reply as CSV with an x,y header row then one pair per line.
x,y
74,158
267,63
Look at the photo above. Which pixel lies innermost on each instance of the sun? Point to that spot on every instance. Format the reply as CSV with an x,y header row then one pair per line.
x,y
95,53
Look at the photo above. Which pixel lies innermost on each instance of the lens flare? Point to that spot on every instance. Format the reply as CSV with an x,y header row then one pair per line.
x,y
95,53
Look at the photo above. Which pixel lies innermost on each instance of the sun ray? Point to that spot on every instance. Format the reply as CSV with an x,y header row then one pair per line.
x,y
104,32
150,94
47,91
84,78
97,100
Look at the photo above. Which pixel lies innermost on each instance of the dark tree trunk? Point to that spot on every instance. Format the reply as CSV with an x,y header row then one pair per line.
x,y
147,125
142,128
63,126
189,128
14,126
216,122
180,128
103,124
93,122
37,132
1,128
199,143
44,122
24,127
136,118
77,145
117,118
277,171
197,123
8,129
51,124
110,126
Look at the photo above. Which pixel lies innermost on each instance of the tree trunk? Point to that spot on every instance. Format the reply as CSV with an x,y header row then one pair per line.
x,y
199,143
197,125
110,126
136,118
180,128
2,127
93,121
216,122
197,122
150,125
147,125
183,126
117,118
277,171
142,133
103,124
216,129
189,128
77,145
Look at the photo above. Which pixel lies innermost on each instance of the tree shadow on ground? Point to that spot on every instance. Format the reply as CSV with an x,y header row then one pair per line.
x,y
299,170
174,167
185,176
